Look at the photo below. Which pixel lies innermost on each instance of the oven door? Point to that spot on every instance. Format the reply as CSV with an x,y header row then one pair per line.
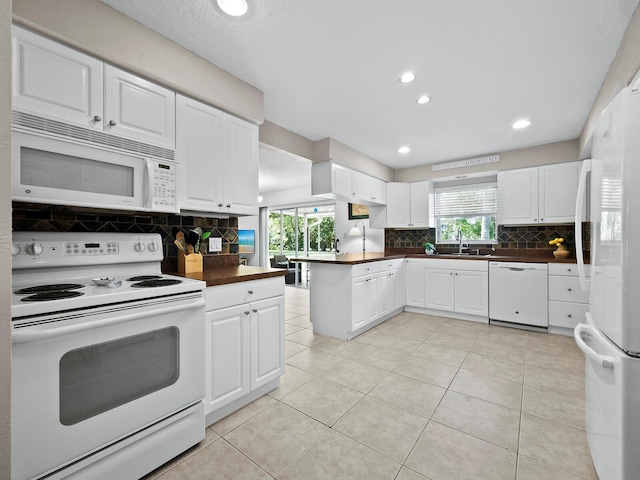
x,y
97,376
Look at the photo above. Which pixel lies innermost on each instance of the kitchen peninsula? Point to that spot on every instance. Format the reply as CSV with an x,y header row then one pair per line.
x,y
351,293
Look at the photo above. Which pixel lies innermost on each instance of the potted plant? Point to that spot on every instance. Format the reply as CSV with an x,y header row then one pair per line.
x,y
429,248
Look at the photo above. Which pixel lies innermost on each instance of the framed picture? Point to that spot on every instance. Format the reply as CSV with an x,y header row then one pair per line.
x,y
358,211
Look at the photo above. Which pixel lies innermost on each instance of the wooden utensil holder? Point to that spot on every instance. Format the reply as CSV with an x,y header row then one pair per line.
x,y
189,263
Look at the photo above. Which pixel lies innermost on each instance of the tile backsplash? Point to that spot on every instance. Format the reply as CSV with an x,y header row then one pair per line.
x,y
520,237
55,218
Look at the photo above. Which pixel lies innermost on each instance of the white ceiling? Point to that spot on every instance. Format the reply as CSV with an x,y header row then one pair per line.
x,y
330,68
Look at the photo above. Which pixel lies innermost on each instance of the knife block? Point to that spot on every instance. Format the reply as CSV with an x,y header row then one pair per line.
x,y
189,263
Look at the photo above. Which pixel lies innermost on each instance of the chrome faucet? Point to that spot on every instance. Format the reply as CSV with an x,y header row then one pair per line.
x,y
460,241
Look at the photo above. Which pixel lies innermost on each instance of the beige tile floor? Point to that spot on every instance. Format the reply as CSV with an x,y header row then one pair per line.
x,y
417,397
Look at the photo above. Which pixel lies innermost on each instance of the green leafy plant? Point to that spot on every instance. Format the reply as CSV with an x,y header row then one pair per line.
x,y
204,236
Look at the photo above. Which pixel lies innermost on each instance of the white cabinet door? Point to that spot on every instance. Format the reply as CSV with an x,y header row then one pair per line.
x,y
385,293
472,292
372,298
267,341
55,81
227,356
414,290
398,204
557,191
360,298
138,109
342,181
199,152
369,188
240,166
420,204
439,289
397,289
518,196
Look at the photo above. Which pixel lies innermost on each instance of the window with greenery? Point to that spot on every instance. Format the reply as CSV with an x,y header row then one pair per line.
x,y
315,227
470,209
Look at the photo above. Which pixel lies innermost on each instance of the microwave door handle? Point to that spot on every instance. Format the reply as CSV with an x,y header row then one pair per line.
x,y
580,202
148,184
33,334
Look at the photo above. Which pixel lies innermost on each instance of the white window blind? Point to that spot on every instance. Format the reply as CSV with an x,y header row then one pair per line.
x,y
466,200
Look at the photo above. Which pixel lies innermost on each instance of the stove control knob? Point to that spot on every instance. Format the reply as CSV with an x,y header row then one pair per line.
x,y
15,249
34,249
138,247
153,247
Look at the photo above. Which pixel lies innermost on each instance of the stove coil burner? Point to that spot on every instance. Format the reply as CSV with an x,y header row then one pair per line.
x,y
164,282
52,295
140,278
49,288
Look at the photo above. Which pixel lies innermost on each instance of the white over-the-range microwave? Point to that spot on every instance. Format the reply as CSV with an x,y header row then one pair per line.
x,y
61,170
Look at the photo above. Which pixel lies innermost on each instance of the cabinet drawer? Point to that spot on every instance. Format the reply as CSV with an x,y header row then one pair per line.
x,y
567,269
566,289
223,296
566,314
365,269
389,265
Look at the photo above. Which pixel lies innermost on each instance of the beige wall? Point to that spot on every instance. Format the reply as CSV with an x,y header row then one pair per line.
x,y
100,30
622,70
283,139
525,157
330,149
5,240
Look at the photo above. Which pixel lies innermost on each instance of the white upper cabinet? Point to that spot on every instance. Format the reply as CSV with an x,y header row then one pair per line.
x,y
557,191
407,206
199,151
138,109
240,166
337,182
545,194
55,81
218,156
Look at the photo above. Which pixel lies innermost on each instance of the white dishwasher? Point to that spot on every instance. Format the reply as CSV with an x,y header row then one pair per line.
x,y
518,293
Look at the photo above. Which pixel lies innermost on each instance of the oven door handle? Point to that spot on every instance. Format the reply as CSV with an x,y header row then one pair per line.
x,y
34,333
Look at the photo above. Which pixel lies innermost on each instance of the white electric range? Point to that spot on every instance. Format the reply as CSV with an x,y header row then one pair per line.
x,y
108,356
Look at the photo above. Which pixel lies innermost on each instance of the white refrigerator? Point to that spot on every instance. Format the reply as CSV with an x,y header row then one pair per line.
x,y
610,335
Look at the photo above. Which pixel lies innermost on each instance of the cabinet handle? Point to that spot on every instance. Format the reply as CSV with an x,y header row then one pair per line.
x,y
541,219
535,219
255,310
97,118
247,312
220,205
569,315
228,205
568,269
569,289
250,292
517,312
112,123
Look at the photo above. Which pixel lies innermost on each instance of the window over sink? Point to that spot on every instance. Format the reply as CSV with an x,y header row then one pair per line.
x,y
470,208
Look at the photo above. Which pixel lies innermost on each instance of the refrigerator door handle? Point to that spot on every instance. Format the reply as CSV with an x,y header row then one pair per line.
x,y
602,360
580,202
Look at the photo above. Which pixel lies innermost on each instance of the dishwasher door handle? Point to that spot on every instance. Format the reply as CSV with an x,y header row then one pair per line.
x,y
520,269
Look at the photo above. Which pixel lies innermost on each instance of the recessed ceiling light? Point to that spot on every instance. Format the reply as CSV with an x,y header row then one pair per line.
x,y
424,99
235,8
522,124
407,77
404,150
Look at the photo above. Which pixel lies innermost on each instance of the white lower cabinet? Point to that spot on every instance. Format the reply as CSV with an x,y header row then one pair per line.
x,y
346,300
459,286
245,343
568,304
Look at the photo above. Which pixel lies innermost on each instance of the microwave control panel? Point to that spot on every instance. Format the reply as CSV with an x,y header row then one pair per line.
x,y
164,186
